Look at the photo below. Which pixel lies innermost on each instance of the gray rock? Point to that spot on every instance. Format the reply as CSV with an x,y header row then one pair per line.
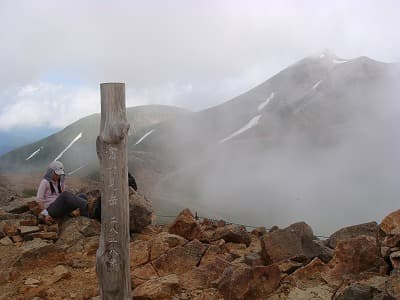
x,y
369,229
28,229
74,230
140,211
6,241
297,240
232,233
358,292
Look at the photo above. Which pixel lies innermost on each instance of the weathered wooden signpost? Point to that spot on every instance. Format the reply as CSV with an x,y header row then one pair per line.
x,y
112,266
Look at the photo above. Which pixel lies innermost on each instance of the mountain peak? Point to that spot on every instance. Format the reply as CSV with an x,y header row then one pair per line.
x,y
326,53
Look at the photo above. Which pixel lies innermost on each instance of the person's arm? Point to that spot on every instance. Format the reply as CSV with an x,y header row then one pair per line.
x,y
40,196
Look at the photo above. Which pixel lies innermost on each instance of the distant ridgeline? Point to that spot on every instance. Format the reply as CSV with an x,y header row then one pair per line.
x,y
321,133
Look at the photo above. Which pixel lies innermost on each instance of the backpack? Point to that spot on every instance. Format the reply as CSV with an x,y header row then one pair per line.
x,y
97,203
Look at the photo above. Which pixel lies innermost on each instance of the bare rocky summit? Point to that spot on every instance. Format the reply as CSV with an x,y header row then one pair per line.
x,y
199,259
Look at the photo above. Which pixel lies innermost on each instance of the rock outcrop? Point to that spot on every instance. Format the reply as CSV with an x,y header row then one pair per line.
x,y
193,259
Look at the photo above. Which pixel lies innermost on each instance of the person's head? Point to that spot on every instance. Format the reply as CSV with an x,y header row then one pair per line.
x,y
57,169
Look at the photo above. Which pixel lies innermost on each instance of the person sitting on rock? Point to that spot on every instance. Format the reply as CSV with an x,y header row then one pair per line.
x,y
53,200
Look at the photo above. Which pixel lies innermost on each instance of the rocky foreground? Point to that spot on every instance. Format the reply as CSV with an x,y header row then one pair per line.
x,y
193,259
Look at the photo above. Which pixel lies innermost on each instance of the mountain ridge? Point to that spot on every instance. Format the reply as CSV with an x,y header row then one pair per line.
x,y
306,133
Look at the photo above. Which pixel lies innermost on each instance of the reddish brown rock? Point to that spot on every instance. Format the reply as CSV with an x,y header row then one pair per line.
x,y
368,229
235,282
265,280
253,259
34,207
355,256
162,288
237,250
259,231
391,241
295,240
164,241
391,223
186,226
6,241
17,238
32,222
243,282
310,275
395,260
53,228
74,230
139,253
180,259
232,233
207,294
28,229
142,274
289,266
10,229
393,286
194,279
213,252
35,249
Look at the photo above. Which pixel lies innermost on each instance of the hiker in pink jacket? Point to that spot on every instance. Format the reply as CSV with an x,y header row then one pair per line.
x,y
52,198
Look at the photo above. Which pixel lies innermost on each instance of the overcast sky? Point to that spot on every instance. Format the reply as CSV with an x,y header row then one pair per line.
x,y
192,54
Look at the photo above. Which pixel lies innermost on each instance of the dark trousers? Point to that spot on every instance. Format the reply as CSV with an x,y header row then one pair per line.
x,y
67,202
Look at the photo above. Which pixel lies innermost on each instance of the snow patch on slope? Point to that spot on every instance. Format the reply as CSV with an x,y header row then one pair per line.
x,y
339,61
316,85
34,153
77,169
265,103
253,122
143,137
69,146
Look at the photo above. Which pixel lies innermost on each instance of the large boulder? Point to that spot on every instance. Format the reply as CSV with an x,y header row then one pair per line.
x,y
204,276
212,254
393,286
232,233
164,241
311,275
142,273
243,282
140,211
32,251
74,232
207,294
366,285
186,226
355,256
139,253
296,240
368,229
391,223
161,288
180,259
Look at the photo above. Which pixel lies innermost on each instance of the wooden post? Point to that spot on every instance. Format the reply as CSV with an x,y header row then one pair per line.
x,y
112,256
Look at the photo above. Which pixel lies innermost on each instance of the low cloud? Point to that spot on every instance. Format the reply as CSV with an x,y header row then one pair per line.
x,y
45,104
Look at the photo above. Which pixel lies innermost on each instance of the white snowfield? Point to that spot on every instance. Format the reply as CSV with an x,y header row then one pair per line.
x,y
265,103
339,61
34,153
322,55
316,85
69,146
145,135
77,169
253,122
